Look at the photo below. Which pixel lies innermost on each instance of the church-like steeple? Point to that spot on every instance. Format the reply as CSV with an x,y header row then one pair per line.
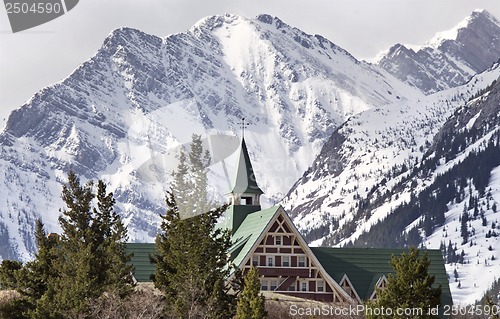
x,y
245,193
245,182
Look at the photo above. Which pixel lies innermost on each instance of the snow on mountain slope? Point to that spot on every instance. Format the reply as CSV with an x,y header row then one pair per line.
x,y
451,58
385,177
123,114
367,156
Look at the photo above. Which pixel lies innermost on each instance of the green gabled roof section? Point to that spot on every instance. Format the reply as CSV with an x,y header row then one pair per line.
x,y
249,232
243,240
245,181
143,268
364,266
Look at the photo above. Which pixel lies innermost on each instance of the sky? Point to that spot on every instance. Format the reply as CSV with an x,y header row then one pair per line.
x,y
33,59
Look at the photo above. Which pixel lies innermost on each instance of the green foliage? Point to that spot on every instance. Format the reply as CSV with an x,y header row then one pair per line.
x,y
192,259
85,261
251,303
492,305
7,274
410,288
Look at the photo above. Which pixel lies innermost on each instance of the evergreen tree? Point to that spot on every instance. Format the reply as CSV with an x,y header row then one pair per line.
x,y
111,236
410,287
8,269
450,258
87,259
192,253
464,232
34,277
79,270
92,243
251,303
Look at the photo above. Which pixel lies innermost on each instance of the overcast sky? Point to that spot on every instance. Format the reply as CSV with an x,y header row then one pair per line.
x,y
35,58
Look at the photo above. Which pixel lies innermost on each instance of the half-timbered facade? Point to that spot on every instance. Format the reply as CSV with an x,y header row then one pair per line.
x,y
268,239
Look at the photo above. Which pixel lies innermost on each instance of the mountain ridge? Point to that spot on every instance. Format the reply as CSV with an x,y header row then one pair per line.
x,y
121,113
451,58
357,131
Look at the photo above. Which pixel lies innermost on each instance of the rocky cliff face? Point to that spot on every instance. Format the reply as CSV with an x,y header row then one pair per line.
x,y
122,115
451,58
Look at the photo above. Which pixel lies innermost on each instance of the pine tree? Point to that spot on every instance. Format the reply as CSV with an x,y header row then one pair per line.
x,y
410,287
79,268
8,269
87,259
251,303
111,235
192,254
464,232
34,277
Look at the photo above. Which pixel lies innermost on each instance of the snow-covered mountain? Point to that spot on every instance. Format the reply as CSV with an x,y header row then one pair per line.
x,y
400,174
122,115
386,149
451,58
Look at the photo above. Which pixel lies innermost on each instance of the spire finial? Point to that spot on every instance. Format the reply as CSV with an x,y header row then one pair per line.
x,y
243,126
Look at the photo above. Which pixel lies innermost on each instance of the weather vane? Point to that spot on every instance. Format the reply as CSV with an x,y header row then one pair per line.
x,y
243,126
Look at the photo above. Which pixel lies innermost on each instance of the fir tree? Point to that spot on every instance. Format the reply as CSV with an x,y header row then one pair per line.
x,y
251,303
86,260
79,268
410,287
111,236
464,232
8,269
35,276
192,254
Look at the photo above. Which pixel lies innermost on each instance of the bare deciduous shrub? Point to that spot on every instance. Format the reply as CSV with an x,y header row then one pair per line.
x,y
144,303
6,296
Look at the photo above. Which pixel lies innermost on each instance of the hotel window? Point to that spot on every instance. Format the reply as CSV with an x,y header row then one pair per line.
x,y
270,261
274,285
264,285
320,286
285,261
302,261
303,286
255,260
278,240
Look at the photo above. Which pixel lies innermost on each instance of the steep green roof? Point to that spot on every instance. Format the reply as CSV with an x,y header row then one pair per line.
x,y
249,231
245,181
143,269
243,239
364,266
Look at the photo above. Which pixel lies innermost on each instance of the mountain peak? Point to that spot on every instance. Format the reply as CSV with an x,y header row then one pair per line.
x,y
450,58
123,36
479,19
268,19
216,21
